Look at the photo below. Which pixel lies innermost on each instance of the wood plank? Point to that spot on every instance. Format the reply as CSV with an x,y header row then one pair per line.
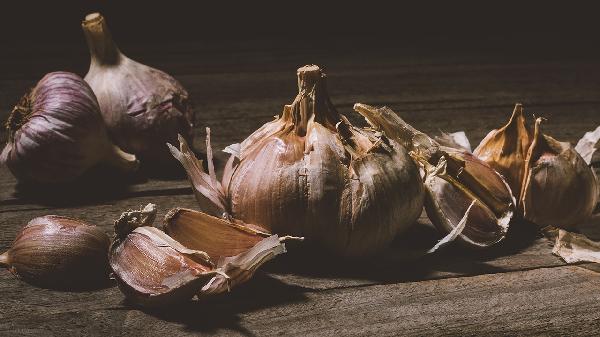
x,y
547,301
308,268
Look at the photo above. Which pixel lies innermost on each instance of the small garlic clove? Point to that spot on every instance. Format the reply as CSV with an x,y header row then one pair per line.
x,y
59,252
559,189
448,200
505,149
154,269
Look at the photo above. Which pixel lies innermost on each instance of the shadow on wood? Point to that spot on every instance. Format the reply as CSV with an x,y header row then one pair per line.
x,y
222,311
405,260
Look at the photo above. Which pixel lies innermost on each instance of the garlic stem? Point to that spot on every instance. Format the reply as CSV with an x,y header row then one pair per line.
x,y
312,100
4,260
103,49
121,160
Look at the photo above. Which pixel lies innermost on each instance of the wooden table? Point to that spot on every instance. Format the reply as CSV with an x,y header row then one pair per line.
x,y
517,288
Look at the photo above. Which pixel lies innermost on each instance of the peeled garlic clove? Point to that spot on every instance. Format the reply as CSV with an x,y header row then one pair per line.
x,y
153,269
59,252
143,107
447,201
559,189
454,180
505,149
239,248
311,173
56,133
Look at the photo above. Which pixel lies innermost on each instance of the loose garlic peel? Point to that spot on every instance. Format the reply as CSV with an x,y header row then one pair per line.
x,y
455,181
154,269
553,184
311,173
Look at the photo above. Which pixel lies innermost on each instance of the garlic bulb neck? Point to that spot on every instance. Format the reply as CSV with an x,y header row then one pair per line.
x,y
103,49
312,101
19,115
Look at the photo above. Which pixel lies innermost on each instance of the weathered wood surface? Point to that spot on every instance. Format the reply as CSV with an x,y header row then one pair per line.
x,y
518,288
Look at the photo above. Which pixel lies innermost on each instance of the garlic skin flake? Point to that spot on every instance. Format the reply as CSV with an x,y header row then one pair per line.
x,y
142,107
460,189
311,173
153,269
59,252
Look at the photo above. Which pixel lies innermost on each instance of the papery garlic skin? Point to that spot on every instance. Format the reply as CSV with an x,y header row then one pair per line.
x,y
56,133
59,252
560,189
142,107
311,173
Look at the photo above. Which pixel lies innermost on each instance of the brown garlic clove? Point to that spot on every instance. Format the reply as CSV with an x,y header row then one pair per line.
x,y
447,201
505,149
454,180
59,252
559,188
240,248
153,269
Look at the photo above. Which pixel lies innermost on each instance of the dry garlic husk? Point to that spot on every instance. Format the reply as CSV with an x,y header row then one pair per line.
x,y
454,180
311,173
59,252
56,133
553,183
154,269
142,107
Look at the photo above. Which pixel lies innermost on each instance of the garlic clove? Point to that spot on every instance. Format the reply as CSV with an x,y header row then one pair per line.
x,y
239,248
505,149
559,189
448,200
59,252
454,179
143,107
56,133
153,269
217,237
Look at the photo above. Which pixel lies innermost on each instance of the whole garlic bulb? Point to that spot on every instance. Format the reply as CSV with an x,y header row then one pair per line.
x,y
56,133
311,173
554,183
142,107
59,252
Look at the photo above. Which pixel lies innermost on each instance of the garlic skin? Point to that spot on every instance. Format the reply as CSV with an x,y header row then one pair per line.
x,y
559,189
153,269
56,133
142,107
505,149
311,173
458,185
59,252
553,184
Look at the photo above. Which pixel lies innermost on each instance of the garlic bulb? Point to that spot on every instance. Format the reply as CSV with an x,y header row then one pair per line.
x,y
143,107
59,252
455,181
554,183
311,173
56,133
153,269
